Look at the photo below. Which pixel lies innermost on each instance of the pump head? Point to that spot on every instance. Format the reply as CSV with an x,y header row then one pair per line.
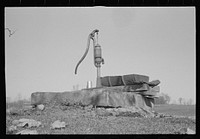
x,y
97,51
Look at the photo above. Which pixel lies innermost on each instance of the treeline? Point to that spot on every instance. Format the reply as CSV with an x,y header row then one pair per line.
x,y
19,102
166,99
162,99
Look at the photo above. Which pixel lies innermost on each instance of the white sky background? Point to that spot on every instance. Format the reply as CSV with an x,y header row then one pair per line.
x,y
48,43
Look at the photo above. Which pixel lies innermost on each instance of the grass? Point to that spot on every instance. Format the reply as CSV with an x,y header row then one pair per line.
x,y
173,109
81,121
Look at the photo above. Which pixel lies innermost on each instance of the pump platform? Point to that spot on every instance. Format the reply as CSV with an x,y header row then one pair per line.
x,y
140,93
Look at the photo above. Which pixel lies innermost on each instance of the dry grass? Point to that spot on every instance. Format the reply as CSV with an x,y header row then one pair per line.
x,y
87,121
180,110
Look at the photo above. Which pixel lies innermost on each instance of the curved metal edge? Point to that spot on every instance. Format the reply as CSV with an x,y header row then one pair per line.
x,y
91,35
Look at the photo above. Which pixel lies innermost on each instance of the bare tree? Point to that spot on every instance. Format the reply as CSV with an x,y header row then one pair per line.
x,y
167,98
75,87
163,99
10,32
180,100
190,102
19,96
184,102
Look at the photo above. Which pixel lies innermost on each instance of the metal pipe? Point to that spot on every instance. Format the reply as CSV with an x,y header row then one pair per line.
x,y
98,81
97,56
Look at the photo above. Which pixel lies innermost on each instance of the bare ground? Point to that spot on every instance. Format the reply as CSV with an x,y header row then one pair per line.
x,y
86,120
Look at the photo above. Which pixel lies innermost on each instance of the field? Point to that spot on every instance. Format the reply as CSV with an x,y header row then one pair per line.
x,y
180,110
88,120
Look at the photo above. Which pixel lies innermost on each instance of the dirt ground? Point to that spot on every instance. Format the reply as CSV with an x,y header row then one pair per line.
x,y
88,120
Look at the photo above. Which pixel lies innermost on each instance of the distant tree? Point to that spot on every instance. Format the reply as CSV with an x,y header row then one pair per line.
x,y
190,101
184,101
75,87
19,96
180,100
167,98
162,99
159,100
8,99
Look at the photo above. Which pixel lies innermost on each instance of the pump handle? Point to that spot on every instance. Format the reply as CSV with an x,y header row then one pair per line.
x,y
91,35
93,32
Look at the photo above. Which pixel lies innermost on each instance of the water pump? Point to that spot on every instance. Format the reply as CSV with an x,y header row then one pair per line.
x,y
97,55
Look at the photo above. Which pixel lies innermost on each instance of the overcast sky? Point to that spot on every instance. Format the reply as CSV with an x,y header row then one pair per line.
x,y
43,52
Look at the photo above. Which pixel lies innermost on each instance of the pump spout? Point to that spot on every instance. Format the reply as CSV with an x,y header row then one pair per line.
x,y
91,36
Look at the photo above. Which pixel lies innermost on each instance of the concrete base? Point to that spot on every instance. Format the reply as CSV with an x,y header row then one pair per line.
x,y
105,96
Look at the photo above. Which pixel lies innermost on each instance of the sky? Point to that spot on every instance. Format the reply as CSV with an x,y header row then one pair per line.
x,y
48,43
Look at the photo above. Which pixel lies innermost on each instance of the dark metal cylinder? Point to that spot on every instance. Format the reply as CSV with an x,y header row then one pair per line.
x,y
97,51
